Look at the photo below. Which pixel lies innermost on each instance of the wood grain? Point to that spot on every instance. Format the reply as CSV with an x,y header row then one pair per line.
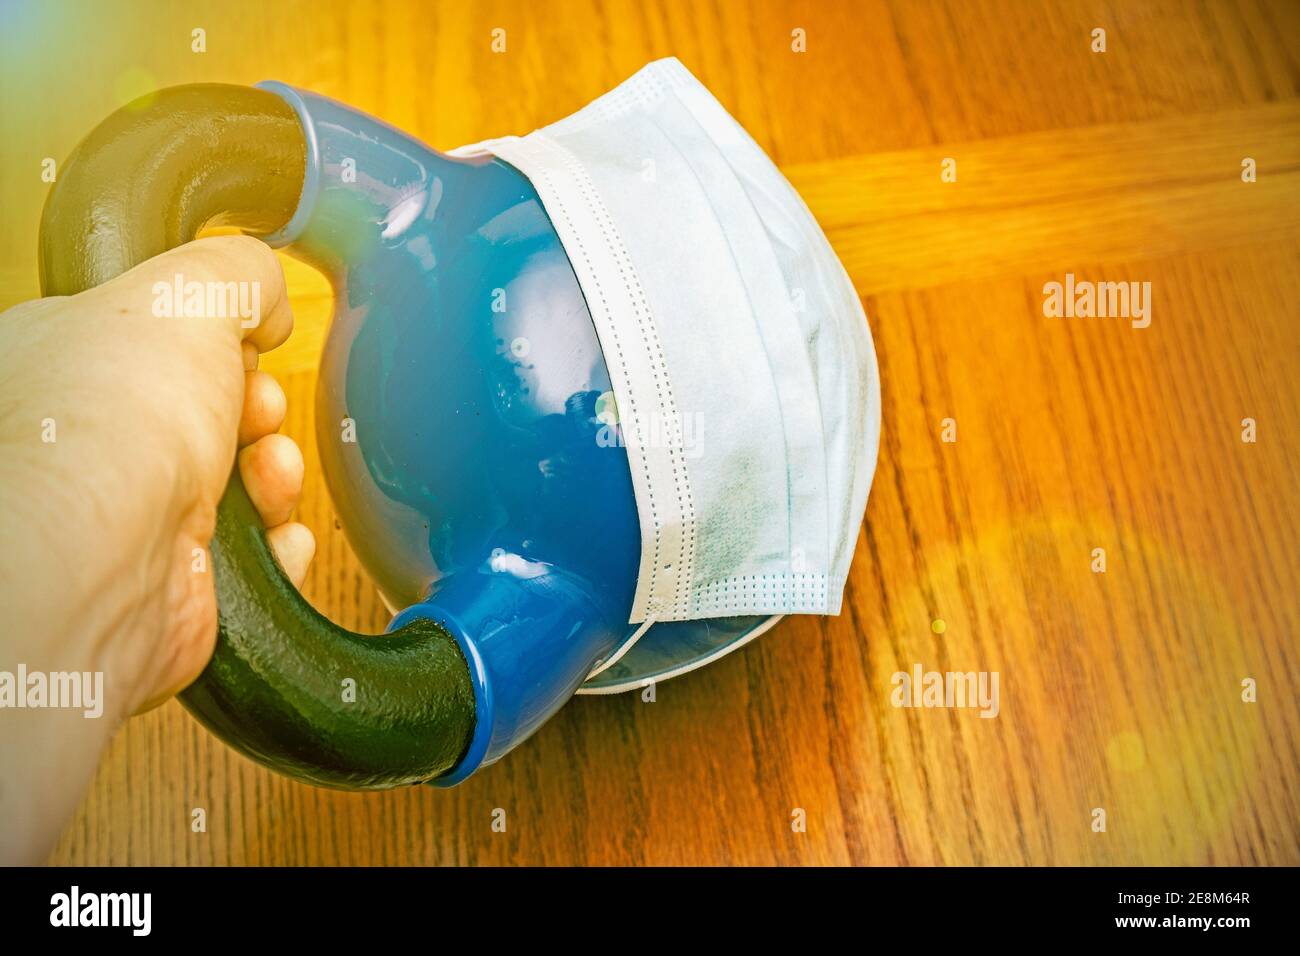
x,y
1119,690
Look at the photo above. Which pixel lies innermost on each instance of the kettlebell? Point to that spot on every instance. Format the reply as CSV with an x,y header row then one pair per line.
x,y
464,429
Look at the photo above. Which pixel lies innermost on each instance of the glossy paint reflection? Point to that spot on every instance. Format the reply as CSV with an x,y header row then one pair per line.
x,y
462,378
466,421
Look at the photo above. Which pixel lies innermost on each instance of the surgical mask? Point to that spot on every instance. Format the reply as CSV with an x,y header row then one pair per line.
x,y
735,364
745,385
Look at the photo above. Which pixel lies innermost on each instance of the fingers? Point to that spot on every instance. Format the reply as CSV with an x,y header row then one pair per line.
x,y
271,319
294,546
241,283
272,471
264,407
271,468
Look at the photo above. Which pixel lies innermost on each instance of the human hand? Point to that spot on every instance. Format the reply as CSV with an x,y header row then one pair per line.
x,y
119,430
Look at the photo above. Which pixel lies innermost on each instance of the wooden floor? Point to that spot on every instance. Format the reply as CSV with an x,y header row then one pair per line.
x,y
1119,691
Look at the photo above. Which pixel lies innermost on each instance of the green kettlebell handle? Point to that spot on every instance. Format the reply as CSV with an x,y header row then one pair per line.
x,y
147,179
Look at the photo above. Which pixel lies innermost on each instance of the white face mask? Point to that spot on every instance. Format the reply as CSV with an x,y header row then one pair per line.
x,y
743,371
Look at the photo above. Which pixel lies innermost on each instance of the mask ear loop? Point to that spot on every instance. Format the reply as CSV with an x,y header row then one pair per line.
x,y
623,648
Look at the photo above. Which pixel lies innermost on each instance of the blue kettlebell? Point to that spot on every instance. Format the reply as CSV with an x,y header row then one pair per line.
x,y
464,431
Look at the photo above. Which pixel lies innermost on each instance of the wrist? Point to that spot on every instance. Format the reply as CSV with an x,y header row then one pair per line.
x,y
77,587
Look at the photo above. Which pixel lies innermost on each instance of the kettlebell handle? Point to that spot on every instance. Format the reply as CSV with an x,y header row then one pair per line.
x,y
158,171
